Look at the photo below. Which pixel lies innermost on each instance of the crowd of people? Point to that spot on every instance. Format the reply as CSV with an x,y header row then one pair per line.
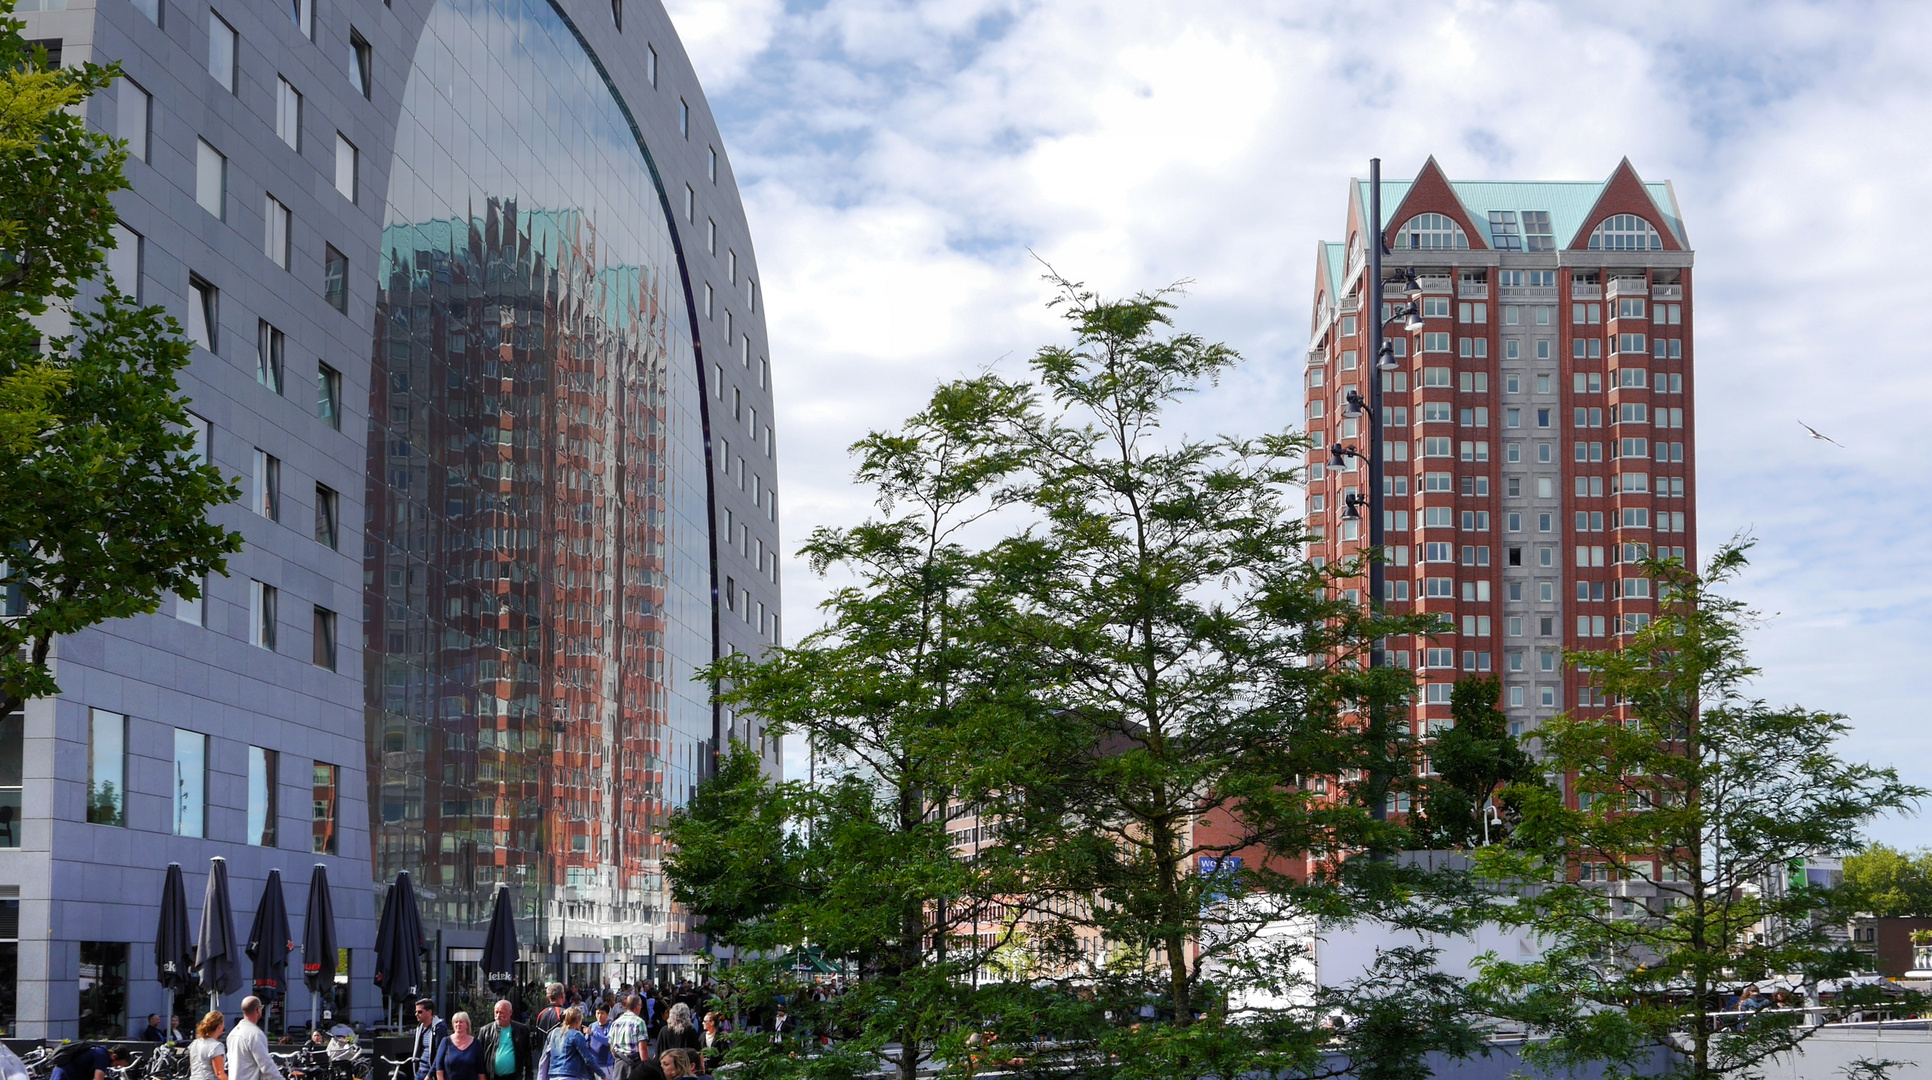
x,y
636,1034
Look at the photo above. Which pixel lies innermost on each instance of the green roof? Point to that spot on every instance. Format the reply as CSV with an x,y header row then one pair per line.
x,y
1568,202
1336,257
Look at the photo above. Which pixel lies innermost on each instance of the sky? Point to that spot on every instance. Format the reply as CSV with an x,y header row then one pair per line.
x,y
906,166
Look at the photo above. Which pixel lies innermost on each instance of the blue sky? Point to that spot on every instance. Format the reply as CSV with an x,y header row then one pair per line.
x,y
900,160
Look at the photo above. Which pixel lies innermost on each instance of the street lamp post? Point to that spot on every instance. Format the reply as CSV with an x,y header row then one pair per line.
x,y
1383,354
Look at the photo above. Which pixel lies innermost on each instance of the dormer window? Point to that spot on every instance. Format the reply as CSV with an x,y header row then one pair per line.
x,y
1502,231
1625,232
1431,232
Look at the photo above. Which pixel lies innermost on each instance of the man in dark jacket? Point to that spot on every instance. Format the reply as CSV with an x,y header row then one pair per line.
x,y
508,1053
431,1030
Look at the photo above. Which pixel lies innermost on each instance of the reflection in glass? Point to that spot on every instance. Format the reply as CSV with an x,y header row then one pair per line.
x,y
106,767
11,769
326,785
263,797
190,782
538,553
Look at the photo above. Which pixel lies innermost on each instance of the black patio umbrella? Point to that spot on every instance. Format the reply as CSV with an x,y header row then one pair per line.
x,y
270,941
399,942
216,956
174,943
500,947
318,943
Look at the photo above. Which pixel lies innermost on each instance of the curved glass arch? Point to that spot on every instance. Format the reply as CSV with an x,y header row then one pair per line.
x,y
537,565
1431,232
1625,232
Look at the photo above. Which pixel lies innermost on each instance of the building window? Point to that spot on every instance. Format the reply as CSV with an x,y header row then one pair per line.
x,y
328,395
325,787
204,313
288,113
323,654
684,118
211,178
261,615
124,262
1431,232
347,166
1502,231
276,222
690,203
617,14
103,990
713,169
327,507
133,112
1625,232
152,9
361,61
708,300
192,610
221,51
650,64
264,796
1536,231
710,236
270,344
265,491
190,802
303,13
335,278
12,772
106,768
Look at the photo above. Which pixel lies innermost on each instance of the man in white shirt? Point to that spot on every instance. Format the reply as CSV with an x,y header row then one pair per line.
x,y
248,1047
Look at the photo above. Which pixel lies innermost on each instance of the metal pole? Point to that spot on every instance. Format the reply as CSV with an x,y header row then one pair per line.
x,y
1377,656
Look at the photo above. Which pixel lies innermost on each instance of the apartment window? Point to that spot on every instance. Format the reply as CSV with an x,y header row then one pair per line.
x,y
325,787
323,654
12,773
265,492
1502,231
690,203
133,112
221,51
764,370
650,64
288,113
275,231
361,61
714,164
684,118
347,167
327,509
710,236
106,768
328,395
270,344
731,266
264,800
303,13
103,989
261,615
190,803
152,9
617,14
335,278
124,262
211,178
204,313
708,300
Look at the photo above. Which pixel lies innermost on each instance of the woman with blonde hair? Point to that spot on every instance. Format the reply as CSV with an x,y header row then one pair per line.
x,y
568,1050
208,1055
460,1057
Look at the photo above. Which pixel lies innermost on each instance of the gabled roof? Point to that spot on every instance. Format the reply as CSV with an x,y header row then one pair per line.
x,y
1569,203
1335,258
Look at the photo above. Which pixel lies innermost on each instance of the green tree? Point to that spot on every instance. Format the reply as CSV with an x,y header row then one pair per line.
x,y
1887,882
1475,759
1168,587
911,713
106,511
1703,803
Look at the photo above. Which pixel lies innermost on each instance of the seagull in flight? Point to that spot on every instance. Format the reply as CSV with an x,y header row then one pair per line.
x,y
1816,435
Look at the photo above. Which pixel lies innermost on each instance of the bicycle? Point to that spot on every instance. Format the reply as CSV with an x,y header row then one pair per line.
x,y
403,1069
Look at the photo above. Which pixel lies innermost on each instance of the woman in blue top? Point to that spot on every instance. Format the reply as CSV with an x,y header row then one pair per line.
x,y
460,1057
569,1051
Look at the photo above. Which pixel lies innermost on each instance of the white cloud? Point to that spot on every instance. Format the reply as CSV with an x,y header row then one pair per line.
x,y
898,160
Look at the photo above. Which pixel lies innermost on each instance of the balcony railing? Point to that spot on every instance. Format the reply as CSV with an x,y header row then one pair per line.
x,y
1529,294
1581,291
1473,290
1666,292
1433,284
1629,287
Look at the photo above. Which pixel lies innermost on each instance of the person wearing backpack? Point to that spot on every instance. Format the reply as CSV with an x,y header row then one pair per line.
x,y
551,1017
85,1061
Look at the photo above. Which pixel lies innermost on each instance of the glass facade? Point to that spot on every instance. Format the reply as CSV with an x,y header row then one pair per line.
x,y
538,557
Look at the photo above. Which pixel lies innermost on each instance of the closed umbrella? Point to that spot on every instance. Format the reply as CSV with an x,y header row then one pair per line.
x,y
217,957
270,941
500,947
318,943
174,943
399,943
